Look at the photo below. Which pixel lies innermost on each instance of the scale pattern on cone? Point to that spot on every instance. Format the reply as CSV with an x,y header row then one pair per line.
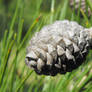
x,y
58,48
80,3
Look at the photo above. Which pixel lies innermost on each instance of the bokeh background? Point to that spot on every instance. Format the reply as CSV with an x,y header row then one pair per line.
x,y
19,20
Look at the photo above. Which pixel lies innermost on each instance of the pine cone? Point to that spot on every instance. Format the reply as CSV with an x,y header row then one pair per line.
x,y
58,48
83,6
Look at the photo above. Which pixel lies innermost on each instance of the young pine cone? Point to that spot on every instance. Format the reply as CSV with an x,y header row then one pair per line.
x,y
58,48
82,4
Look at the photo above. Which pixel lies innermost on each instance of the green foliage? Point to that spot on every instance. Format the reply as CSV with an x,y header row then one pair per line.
x,y
28,17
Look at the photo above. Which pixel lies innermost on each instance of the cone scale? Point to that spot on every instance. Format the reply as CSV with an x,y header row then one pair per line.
x,y
58,48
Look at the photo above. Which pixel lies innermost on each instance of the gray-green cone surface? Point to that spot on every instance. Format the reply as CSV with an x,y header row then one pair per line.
x,y
58,48
82,4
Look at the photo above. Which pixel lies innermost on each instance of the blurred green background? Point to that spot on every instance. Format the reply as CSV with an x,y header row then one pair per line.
x,y
19,20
